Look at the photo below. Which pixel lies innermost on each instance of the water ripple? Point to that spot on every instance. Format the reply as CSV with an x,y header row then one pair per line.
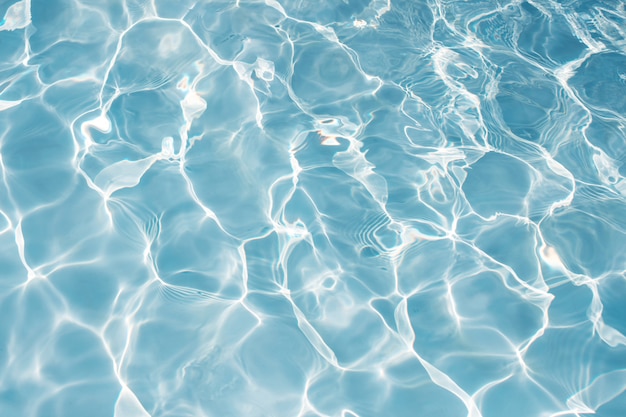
x,y
332,208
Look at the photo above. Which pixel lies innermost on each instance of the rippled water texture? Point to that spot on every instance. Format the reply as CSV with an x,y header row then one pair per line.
x,y
351,208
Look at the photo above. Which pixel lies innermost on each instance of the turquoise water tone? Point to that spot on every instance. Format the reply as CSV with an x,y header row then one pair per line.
x,y
330,208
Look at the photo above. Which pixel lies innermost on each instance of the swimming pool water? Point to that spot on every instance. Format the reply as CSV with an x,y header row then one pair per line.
x,y
341,208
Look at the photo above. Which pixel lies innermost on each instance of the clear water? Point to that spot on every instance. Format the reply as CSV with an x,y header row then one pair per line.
x,y
312,208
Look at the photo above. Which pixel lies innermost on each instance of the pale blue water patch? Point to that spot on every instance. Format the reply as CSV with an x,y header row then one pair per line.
x,y
336,208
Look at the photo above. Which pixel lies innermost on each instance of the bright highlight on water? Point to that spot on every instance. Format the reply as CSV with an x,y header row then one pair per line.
x,y
350,208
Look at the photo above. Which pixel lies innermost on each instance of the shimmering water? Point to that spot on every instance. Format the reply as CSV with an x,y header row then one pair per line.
x,y
312,208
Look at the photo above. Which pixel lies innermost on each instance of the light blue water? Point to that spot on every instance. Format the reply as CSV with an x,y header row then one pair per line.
x,y
312,208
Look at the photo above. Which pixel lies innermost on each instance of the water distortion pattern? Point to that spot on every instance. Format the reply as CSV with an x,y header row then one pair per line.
x,y
326,208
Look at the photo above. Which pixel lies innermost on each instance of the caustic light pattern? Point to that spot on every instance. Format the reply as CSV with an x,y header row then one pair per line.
x,y
351,208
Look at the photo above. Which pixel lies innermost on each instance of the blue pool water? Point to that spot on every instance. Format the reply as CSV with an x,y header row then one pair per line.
x,y
351,208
